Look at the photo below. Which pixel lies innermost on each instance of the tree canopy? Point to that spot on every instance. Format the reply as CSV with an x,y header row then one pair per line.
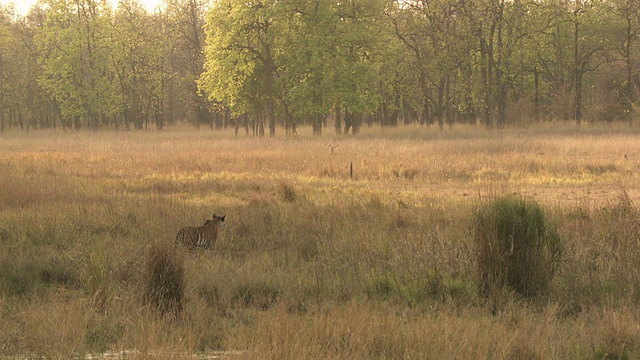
x,y
260,64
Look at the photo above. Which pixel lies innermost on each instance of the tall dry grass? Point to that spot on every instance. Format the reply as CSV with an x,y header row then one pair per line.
x,y
314,263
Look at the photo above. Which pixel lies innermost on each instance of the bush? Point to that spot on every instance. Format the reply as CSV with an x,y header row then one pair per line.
x,y
165,279
517,246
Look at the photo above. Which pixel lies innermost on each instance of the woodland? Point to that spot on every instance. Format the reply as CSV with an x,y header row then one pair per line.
x,y
256,65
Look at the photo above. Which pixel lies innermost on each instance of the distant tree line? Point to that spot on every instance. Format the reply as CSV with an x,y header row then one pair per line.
x,y
259,64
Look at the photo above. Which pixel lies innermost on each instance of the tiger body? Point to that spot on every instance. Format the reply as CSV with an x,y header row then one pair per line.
x,y
203,236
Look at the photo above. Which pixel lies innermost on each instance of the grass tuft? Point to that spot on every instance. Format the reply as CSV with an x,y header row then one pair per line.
x,y
517,246
287,192
165,279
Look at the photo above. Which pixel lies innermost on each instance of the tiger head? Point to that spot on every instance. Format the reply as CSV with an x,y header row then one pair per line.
x,y
219,219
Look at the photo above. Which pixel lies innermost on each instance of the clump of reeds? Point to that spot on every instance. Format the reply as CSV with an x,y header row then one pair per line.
x,y
165,279
517,246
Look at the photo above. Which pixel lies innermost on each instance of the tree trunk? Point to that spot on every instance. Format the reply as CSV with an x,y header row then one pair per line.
x,y
271,116
484,61
356,123
629,98
338,118
448,108
237,127
440,107
317,125
577,76
1,94
501,91
579,98
260,127
536,94
159,110
347,122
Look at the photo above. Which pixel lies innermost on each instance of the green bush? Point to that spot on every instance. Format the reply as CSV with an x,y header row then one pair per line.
x,y
517,247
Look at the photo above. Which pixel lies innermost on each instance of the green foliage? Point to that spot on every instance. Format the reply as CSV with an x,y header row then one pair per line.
x,y
88,63
138,65
518,248
74,54
308,55
234,66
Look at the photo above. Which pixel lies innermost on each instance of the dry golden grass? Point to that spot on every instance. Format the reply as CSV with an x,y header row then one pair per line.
x,y
313,263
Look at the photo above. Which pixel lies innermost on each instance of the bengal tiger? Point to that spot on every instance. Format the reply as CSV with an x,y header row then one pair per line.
x,y
202,236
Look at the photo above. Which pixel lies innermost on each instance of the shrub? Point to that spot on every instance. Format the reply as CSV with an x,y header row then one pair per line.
x,y
165,279
517,247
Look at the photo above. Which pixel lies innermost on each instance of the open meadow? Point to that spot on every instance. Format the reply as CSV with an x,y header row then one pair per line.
x,y
314,262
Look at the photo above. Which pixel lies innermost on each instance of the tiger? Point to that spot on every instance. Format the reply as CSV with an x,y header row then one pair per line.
x,y
203,236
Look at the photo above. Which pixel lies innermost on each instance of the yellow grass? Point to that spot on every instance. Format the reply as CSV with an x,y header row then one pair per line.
x,y
315,264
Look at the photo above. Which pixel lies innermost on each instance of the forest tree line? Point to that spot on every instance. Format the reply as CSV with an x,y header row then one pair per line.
x,y
258,64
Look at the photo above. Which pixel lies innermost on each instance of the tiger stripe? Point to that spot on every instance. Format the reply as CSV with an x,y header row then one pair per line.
x,y
203,236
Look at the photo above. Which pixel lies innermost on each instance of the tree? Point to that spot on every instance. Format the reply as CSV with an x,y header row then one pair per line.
x,y
137,64
306,76
239,67
6,39
357,32
74,53
184,29
626,31
577,38
436,34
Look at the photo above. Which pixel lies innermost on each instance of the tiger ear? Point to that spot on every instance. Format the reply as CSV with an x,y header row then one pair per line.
x,y
215,216
223,217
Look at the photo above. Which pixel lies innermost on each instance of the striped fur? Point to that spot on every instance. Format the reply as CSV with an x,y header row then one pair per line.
x,y
203,236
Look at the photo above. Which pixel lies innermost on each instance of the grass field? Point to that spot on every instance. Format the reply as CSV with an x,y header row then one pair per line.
x,y
315,263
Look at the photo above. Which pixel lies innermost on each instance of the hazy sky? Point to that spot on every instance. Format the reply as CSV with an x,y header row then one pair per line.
x,y
23,6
